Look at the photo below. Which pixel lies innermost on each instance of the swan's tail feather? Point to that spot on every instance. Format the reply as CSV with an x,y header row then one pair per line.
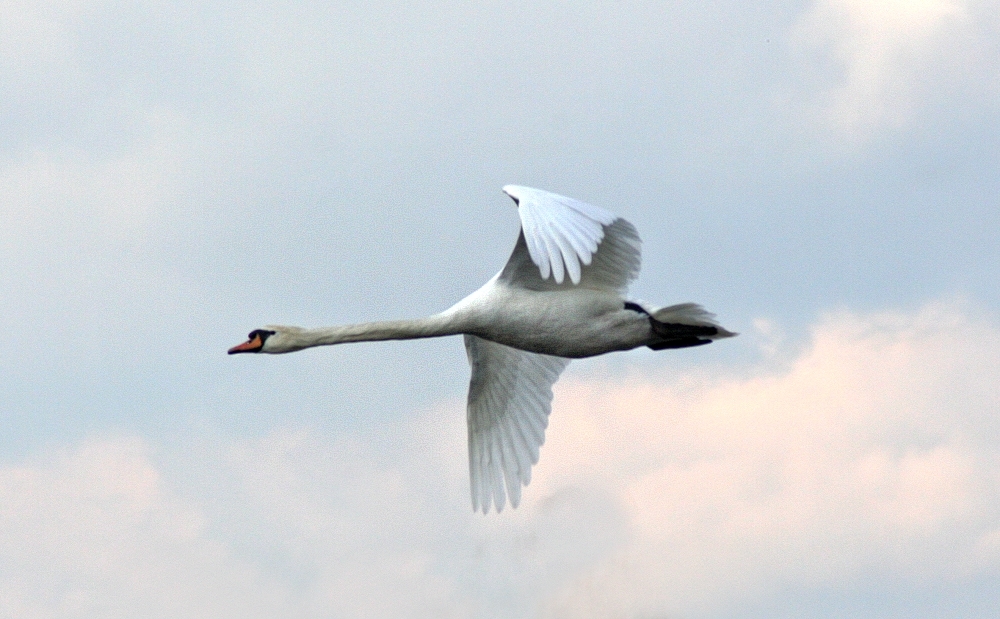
x,y
684,325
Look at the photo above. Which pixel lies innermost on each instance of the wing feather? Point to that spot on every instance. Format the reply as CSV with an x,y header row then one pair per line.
x,y
536,244
510,397
569,253
561,236
553,254
584,243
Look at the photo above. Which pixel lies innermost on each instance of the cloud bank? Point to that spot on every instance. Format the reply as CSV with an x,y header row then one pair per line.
x,y
864,466
883,60
871,459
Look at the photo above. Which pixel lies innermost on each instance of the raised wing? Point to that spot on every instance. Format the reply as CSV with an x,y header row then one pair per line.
x,y
561,236
510,396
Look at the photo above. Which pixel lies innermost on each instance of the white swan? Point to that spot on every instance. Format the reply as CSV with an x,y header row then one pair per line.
x,y
559,297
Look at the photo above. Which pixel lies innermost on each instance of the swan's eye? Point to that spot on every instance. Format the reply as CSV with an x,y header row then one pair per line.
x,y
263,334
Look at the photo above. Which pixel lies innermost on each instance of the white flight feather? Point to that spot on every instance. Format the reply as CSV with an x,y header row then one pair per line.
x,y
560,232
510,396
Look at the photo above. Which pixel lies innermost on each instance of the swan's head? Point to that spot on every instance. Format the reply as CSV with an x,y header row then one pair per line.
x,y
271,339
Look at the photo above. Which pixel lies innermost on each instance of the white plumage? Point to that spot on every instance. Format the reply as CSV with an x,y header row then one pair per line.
x,y
523,326
510,395
559,231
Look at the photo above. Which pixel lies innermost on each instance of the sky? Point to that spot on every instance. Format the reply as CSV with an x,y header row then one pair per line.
x,y
821,174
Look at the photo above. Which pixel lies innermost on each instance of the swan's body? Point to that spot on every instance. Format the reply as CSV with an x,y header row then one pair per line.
x,y
559,297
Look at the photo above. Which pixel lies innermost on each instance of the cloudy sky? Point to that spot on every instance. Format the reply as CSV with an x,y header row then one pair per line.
x,y
822,174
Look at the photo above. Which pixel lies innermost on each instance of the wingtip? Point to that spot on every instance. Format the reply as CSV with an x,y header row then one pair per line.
x,y
511,191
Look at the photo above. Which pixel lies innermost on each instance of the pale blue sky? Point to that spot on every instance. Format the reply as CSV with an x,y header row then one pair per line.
x,y
174,175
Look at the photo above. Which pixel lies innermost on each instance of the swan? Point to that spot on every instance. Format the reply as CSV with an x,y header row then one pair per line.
x,y
561,296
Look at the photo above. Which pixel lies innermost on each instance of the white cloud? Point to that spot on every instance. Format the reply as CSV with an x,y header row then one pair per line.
x,y
876,452
886,55
68,192
75,224
870,458
91,532
34,33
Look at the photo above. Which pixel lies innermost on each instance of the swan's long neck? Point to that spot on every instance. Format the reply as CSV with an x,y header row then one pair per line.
x,y
431,326
437,325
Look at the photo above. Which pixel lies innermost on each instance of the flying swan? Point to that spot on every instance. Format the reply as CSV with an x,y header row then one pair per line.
x,y
559,297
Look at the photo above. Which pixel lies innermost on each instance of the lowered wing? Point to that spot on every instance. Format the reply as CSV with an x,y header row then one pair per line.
x,y
510,397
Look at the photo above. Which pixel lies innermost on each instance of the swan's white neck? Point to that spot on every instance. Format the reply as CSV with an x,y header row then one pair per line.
x,y
289,339
431,326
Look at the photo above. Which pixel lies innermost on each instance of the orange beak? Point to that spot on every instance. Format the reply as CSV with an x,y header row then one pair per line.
x,y
252,345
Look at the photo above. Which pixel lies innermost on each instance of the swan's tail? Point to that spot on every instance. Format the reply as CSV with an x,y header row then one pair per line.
x,y
684,325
